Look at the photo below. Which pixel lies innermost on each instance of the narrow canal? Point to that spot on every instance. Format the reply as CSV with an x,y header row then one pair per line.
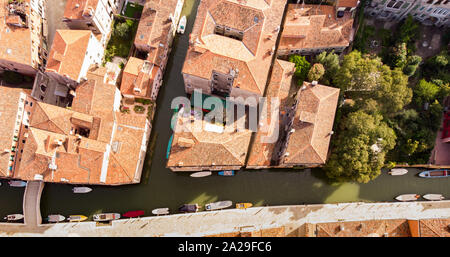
x,y
160,187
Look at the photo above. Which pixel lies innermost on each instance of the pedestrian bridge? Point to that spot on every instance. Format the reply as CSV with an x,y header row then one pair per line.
x,y
32,203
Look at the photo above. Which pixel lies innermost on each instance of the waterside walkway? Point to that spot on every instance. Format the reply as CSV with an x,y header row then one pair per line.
x,y
293,218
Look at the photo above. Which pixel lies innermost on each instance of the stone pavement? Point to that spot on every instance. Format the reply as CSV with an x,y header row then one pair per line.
x,y
293,218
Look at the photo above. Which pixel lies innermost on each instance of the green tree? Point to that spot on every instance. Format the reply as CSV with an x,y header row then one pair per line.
x,y
412,64
360,148
330,62
425,91
408,32
399,56
393,92
122,30
316,72
302,67
359,72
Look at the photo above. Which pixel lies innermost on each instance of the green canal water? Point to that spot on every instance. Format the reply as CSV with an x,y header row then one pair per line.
x,y
160,187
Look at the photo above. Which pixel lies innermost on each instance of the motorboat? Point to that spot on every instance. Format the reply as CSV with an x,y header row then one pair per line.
x,y
17,183
434,197
55,218
218,205
106,216
435,174
398,172
243,205
77,218
189,208
407,197
160,211
81,190
182,25
133,214
201,174
13,217
226,173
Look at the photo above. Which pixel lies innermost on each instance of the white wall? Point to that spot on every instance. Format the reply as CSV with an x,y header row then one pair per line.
x,y
94,54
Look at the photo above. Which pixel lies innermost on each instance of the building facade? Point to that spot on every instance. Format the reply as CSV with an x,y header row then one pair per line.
x,y
95,15
428,12
22,44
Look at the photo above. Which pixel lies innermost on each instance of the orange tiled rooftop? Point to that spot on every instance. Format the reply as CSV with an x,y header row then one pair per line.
x,y
75,9
314,26
198,143
138,74
313,123
280,82
68,51
91,143
258,21
15,42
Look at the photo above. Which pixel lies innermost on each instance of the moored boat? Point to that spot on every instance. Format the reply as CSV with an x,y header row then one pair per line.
x,y
81,190
243,205
201,174
13,217
434,197
106,216
435,174
226,173
17,183
77,218
160,211
218,205
189,208
182,25
398,172
55,218
133,214
407,197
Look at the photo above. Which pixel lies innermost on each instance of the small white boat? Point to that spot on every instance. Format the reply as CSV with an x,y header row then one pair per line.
x,y
12,217
56,218
17,183
81,190
218,205
407,197
106,216
182,25
434,197
160,211
398,172
201,174
77,218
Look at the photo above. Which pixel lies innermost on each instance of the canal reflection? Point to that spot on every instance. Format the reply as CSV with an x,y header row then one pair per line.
x,y
162,188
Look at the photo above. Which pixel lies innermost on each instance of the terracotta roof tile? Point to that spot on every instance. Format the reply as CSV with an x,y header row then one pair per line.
x,y
258,20
313,122
435,228
315,26
138,74
76,8
68,52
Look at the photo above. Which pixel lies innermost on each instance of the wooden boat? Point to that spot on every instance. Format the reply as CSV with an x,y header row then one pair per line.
x,y
435,174
182,25
398,172
226,173
81,190
243,205
17,183
77,218
106,216
55,218
12,217
160,211
133,214
201,174
434,197
218,205
407,197
189,208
